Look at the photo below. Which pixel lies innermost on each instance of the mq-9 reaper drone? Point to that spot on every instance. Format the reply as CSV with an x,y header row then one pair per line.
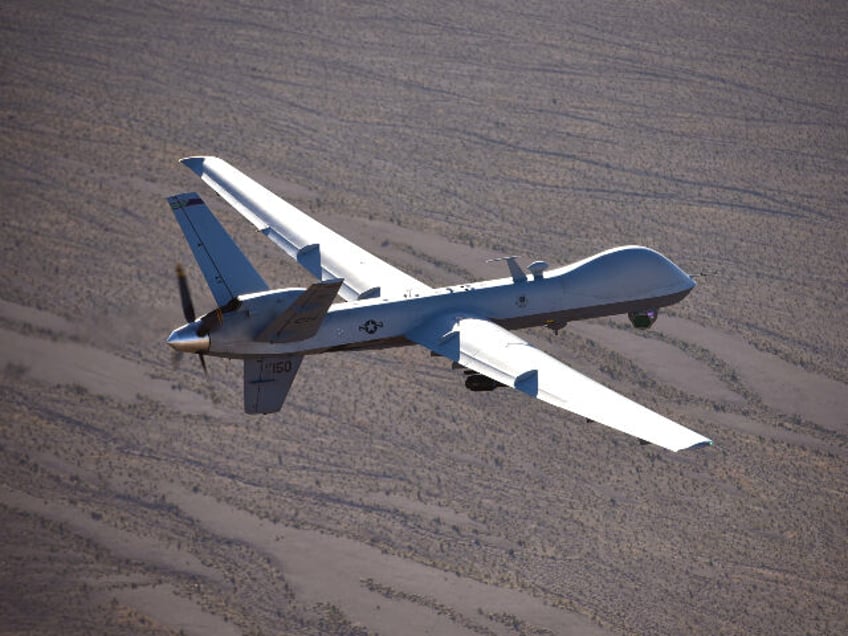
x,y
470,324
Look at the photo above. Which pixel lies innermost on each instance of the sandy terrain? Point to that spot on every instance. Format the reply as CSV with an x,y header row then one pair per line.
x,y
137,498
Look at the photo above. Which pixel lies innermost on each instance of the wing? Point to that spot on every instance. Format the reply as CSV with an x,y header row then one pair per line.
x,y
324,253
226,269
484,347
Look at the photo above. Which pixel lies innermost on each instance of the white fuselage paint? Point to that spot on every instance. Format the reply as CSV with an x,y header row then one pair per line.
x,y
612,282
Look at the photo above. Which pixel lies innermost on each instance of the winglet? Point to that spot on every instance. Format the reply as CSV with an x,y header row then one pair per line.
x,y
708,442
195,164
209,169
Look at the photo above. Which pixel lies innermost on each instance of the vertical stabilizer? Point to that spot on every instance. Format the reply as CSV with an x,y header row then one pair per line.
x,y
267,382
227,270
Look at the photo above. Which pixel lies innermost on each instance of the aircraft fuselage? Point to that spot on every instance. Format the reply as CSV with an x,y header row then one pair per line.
x,y
617,281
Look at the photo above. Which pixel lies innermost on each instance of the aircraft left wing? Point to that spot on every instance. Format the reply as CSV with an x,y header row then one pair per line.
x,y
486,348
324,253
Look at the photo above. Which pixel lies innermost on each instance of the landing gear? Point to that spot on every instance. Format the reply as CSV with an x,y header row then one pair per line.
x,y
555,325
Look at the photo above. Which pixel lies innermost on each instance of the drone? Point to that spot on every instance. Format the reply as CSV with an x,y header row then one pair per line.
x,y
470,324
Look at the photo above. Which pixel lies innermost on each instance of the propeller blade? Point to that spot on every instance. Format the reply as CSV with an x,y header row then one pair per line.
x,y
185,296
209,322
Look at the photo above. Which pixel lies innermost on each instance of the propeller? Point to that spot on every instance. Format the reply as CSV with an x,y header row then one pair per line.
x,y
185,296
188,309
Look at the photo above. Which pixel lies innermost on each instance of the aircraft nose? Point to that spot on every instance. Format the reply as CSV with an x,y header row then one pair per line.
x,y
187,340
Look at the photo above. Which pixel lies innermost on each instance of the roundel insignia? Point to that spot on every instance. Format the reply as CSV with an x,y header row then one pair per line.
x,y
370,326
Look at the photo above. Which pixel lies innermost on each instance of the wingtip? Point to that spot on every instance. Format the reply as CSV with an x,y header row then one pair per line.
x,y
195,164
706,442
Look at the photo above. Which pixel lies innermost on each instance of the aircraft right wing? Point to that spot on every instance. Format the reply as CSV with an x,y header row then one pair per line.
x,y
484,347
324,253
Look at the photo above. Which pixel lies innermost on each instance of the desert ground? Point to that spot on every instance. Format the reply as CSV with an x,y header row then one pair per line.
x,y
137,498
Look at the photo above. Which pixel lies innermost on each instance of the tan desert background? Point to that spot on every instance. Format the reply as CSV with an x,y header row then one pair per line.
x,y
137,498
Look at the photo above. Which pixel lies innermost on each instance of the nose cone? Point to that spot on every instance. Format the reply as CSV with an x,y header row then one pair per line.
x,y
187,340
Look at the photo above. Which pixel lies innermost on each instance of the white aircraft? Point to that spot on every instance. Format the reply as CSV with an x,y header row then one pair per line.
x,y
469,323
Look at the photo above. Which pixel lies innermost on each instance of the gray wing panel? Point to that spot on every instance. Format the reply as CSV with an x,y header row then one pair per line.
x,y
267,382
227,271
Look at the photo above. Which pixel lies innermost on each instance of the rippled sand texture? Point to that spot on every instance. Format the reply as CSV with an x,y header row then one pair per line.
x,y
385,498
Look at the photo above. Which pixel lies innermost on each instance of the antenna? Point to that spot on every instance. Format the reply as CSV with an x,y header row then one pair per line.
x,y
537,268
518,276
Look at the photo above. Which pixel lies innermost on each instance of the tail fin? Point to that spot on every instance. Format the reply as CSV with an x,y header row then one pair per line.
x,y
227,270
303,318
267,382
